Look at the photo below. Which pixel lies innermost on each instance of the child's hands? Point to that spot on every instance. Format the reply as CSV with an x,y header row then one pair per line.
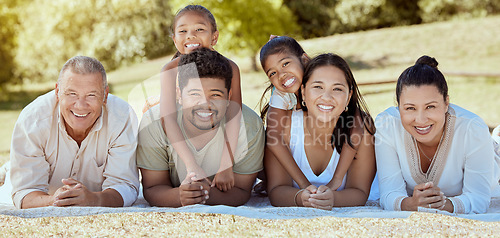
x,y
224,180
197,173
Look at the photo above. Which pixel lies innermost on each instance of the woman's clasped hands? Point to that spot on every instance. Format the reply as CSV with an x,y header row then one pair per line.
x,y
318,197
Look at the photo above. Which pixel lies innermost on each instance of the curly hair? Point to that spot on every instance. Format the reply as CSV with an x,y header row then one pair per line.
x,y
204,63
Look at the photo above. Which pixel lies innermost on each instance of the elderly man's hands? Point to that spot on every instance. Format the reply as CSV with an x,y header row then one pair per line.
x,y
74,193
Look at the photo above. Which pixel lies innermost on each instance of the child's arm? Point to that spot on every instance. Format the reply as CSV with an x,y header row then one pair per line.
x,y
276,143
168,111
348,153
224,179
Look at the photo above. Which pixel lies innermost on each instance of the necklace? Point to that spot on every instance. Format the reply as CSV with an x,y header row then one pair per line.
x,y
419,149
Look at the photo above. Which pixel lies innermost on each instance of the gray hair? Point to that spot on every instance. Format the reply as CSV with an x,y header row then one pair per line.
x,y
84,65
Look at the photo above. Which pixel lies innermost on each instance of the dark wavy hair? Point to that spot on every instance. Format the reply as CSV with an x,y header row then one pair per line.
x,y
357,108
281,44
204,63
424,72
198,9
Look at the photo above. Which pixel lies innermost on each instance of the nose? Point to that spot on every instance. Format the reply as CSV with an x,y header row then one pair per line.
x,y
191,34
327,95
421,117
80,102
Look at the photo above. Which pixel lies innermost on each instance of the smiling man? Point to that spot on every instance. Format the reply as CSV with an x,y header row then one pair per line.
x,y
203,95
75,146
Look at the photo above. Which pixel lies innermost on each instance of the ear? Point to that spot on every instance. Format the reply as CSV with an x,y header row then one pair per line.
x,y
349,98
447,102
178,95
57,92
229,96
305,58
106,92
173,38
302,90
215,38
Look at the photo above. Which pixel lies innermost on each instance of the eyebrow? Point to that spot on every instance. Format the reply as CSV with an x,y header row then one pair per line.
x,y
321,82
411,104
198,23
211,90
284,58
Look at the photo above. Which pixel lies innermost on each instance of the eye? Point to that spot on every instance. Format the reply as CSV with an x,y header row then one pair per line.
x,y
195,94
410,108
430,107
271,74
181,31
317,86
338,89
286,64
200,29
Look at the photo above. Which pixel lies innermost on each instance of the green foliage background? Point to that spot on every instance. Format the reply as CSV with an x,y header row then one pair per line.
x,y
38,36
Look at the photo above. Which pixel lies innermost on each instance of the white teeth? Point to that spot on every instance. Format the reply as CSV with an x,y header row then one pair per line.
x,y
192,45
289,82
204,114
80,115
423,128
325,107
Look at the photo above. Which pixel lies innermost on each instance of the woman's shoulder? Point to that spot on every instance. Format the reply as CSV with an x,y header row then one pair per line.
x,y
466,119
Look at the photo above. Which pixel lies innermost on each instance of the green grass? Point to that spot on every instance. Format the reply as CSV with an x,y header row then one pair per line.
x,y
459,46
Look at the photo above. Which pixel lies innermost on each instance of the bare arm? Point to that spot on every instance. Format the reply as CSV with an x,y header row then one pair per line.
x,y
224,179
360,175
277,145
168,111
73,193
158,191
279,184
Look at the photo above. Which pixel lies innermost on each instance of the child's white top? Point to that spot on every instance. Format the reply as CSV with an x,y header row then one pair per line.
x,y
282,100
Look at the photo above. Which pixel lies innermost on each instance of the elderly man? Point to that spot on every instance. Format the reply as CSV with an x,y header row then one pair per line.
x,y
204,92
75,146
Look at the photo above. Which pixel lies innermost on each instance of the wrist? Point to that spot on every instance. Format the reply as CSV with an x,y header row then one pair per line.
x,y
297,195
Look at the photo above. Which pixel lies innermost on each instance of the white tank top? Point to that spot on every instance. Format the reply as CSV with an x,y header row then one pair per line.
x,y
299,155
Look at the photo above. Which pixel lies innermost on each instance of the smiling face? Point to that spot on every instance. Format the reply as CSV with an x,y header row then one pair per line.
x,y
326,93
80,97
285,71
204,104
422,109
191,31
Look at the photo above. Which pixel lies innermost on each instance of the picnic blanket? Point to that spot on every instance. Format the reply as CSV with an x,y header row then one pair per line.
x,y
256,207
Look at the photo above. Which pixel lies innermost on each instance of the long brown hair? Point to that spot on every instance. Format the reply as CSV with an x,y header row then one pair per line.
x,y
356,106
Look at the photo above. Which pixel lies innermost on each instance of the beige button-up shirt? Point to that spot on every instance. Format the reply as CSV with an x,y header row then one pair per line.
x,y
42,152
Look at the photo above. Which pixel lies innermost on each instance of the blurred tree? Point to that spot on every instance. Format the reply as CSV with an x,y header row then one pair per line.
x,y
313,16
440,10
355,15
115,32
244,25
8,44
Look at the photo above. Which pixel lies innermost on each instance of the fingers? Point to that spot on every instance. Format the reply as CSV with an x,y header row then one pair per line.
x,y
69,181
423,186
322,199
312,189
193,194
